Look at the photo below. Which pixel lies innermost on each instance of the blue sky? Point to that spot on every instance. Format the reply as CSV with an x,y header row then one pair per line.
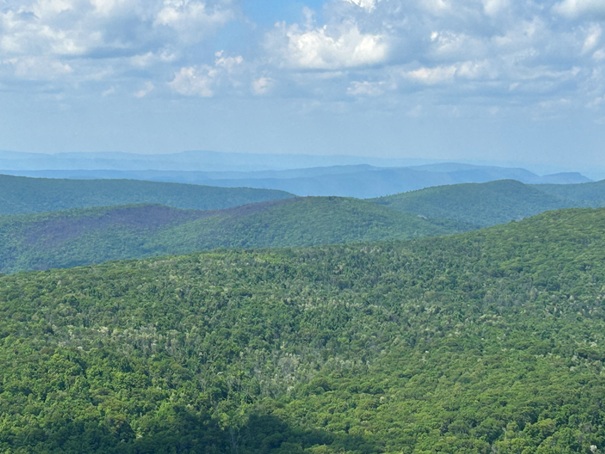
x,y
493,81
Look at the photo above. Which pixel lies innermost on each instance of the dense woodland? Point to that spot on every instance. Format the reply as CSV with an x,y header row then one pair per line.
x,y
95,235
244,218
39,195
482,342
494,202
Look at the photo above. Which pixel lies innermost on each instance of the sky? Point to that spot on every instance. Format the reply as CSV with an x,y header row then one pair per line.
x,y
488,81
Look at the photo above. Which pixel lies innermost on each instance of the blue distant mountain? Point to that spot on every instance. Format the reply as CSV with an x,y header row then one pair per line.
x,y
303,175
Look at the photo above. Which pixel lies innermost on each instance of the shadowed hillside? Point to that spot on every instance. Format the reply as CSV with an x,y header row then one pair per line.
x,y
95,235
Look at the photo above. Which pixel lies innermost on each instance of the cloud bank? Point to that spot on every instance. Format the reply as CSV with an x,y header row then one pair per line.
x,y
495,54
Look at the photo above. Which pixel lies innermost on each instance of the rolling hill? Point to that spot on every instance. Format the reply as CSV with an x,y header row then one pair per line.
x,y
477,204
489,341
31,195
587,194
94,235
486,204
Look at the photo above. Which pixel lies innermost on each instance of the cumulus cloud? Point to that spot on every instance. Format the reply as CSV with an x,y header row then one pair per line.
x,y
117,33
358,49
328,48
368,5
455,50
36,68
262,85
190,19
205,80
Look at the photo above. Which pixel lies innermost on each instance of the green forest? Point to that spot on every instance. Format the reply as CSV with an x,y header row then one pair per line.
x,y
480,342
94,235
60,223
20,195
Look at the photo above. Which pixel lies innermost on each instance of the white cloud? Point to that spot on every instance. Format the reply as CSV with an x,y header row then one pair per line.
x,y
366,88
494,8
448,44
149,59
191,81
205,80
432,76
593,36
576,8
325,48
437,7
89,36
191,19
352,49
368,5
147,88
599,55
262,85
38,69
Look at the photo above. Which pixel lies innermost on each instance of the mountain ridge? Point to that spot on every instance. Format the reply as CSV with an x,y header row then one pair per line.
x,y
29,195
303,175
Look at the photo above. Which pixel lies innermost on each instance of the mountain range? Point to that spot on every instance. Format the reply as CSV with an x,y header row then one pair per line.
x,y
302,175
142,219
462,317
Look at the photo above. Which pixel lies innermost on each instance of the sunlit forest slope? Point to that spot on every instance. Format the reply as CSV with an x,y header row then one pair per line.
x,y
489,341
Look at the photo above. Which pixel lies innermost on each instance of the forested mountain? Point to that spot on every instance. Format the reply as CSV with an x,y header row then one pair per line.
x,y
303,175
95,235
478,204
489,341
361,181
486,204
193,160
31,195
586,194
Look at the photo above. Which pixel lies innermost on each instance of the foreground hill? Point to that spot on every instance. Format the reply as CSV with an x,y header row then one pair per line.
x,y
32,195
486,204
491,341
95,235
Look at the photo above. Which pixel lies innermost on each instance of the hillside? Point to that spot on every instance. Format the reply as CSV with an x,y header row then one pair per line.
x,y
586,194
95,235
487,204
490,341
31,195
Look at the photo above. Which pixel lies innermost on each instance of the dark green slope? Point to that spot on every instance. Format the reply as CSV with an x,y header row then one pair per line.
x,y
303,221
95,235
32,195
85,236
490,341
581,195
480,204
